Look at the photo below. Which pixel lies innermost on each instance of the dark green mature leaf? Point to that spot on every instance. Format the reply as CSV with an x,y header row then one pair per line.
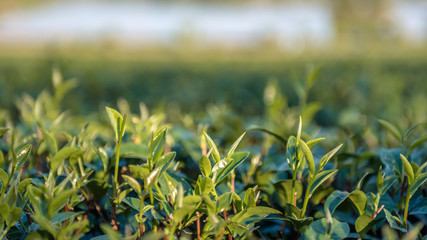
x,y
213,148
408,169
299,224
284,190
321,193
61,155
133,202
392,221
320,178
359,200
392,129
62,216
308,156
319,230
418,182
292,153
205,166
116,120
388,182
237,159
133,183
3,130
335,199
234,146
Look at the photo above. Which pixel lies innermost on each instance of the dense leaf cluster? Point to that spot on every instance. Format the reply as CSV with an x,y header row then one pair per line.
x,y
120,175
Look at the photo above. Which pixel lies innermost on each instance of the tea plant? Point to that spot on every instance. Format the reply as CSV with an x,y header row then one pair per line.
x,y
122,175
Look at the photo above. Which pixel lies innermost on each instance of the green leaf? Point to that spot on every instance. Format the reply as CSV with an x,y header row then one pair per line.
x,y
364,223
408,169
1,159
320,178
284,190
299,224
140,172
132,202
257,210
62,216
334,200
234,146
212,147
3,130
392,129
157,145
419,181
204,185
308,156
236,160
249,200
417,143
313,142
23,184
61,155
388,182
205,166
164,162
291,153
22,156
320,229
102,154
83,178
224,201
359,199
133,184
112,235
380,179
3,177
325,159
280,138
299,130
116,120
152,178
50,140
321,193
420,169
392,221
59,201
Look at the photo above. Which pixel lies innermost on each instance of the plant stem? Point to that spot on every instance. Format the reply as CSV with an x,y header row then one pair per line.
x,y
198,225
408,196
306,197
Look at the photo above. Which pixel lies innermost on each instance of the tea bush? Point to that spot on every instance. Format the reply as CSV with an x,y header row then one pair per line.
x,y
118,174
